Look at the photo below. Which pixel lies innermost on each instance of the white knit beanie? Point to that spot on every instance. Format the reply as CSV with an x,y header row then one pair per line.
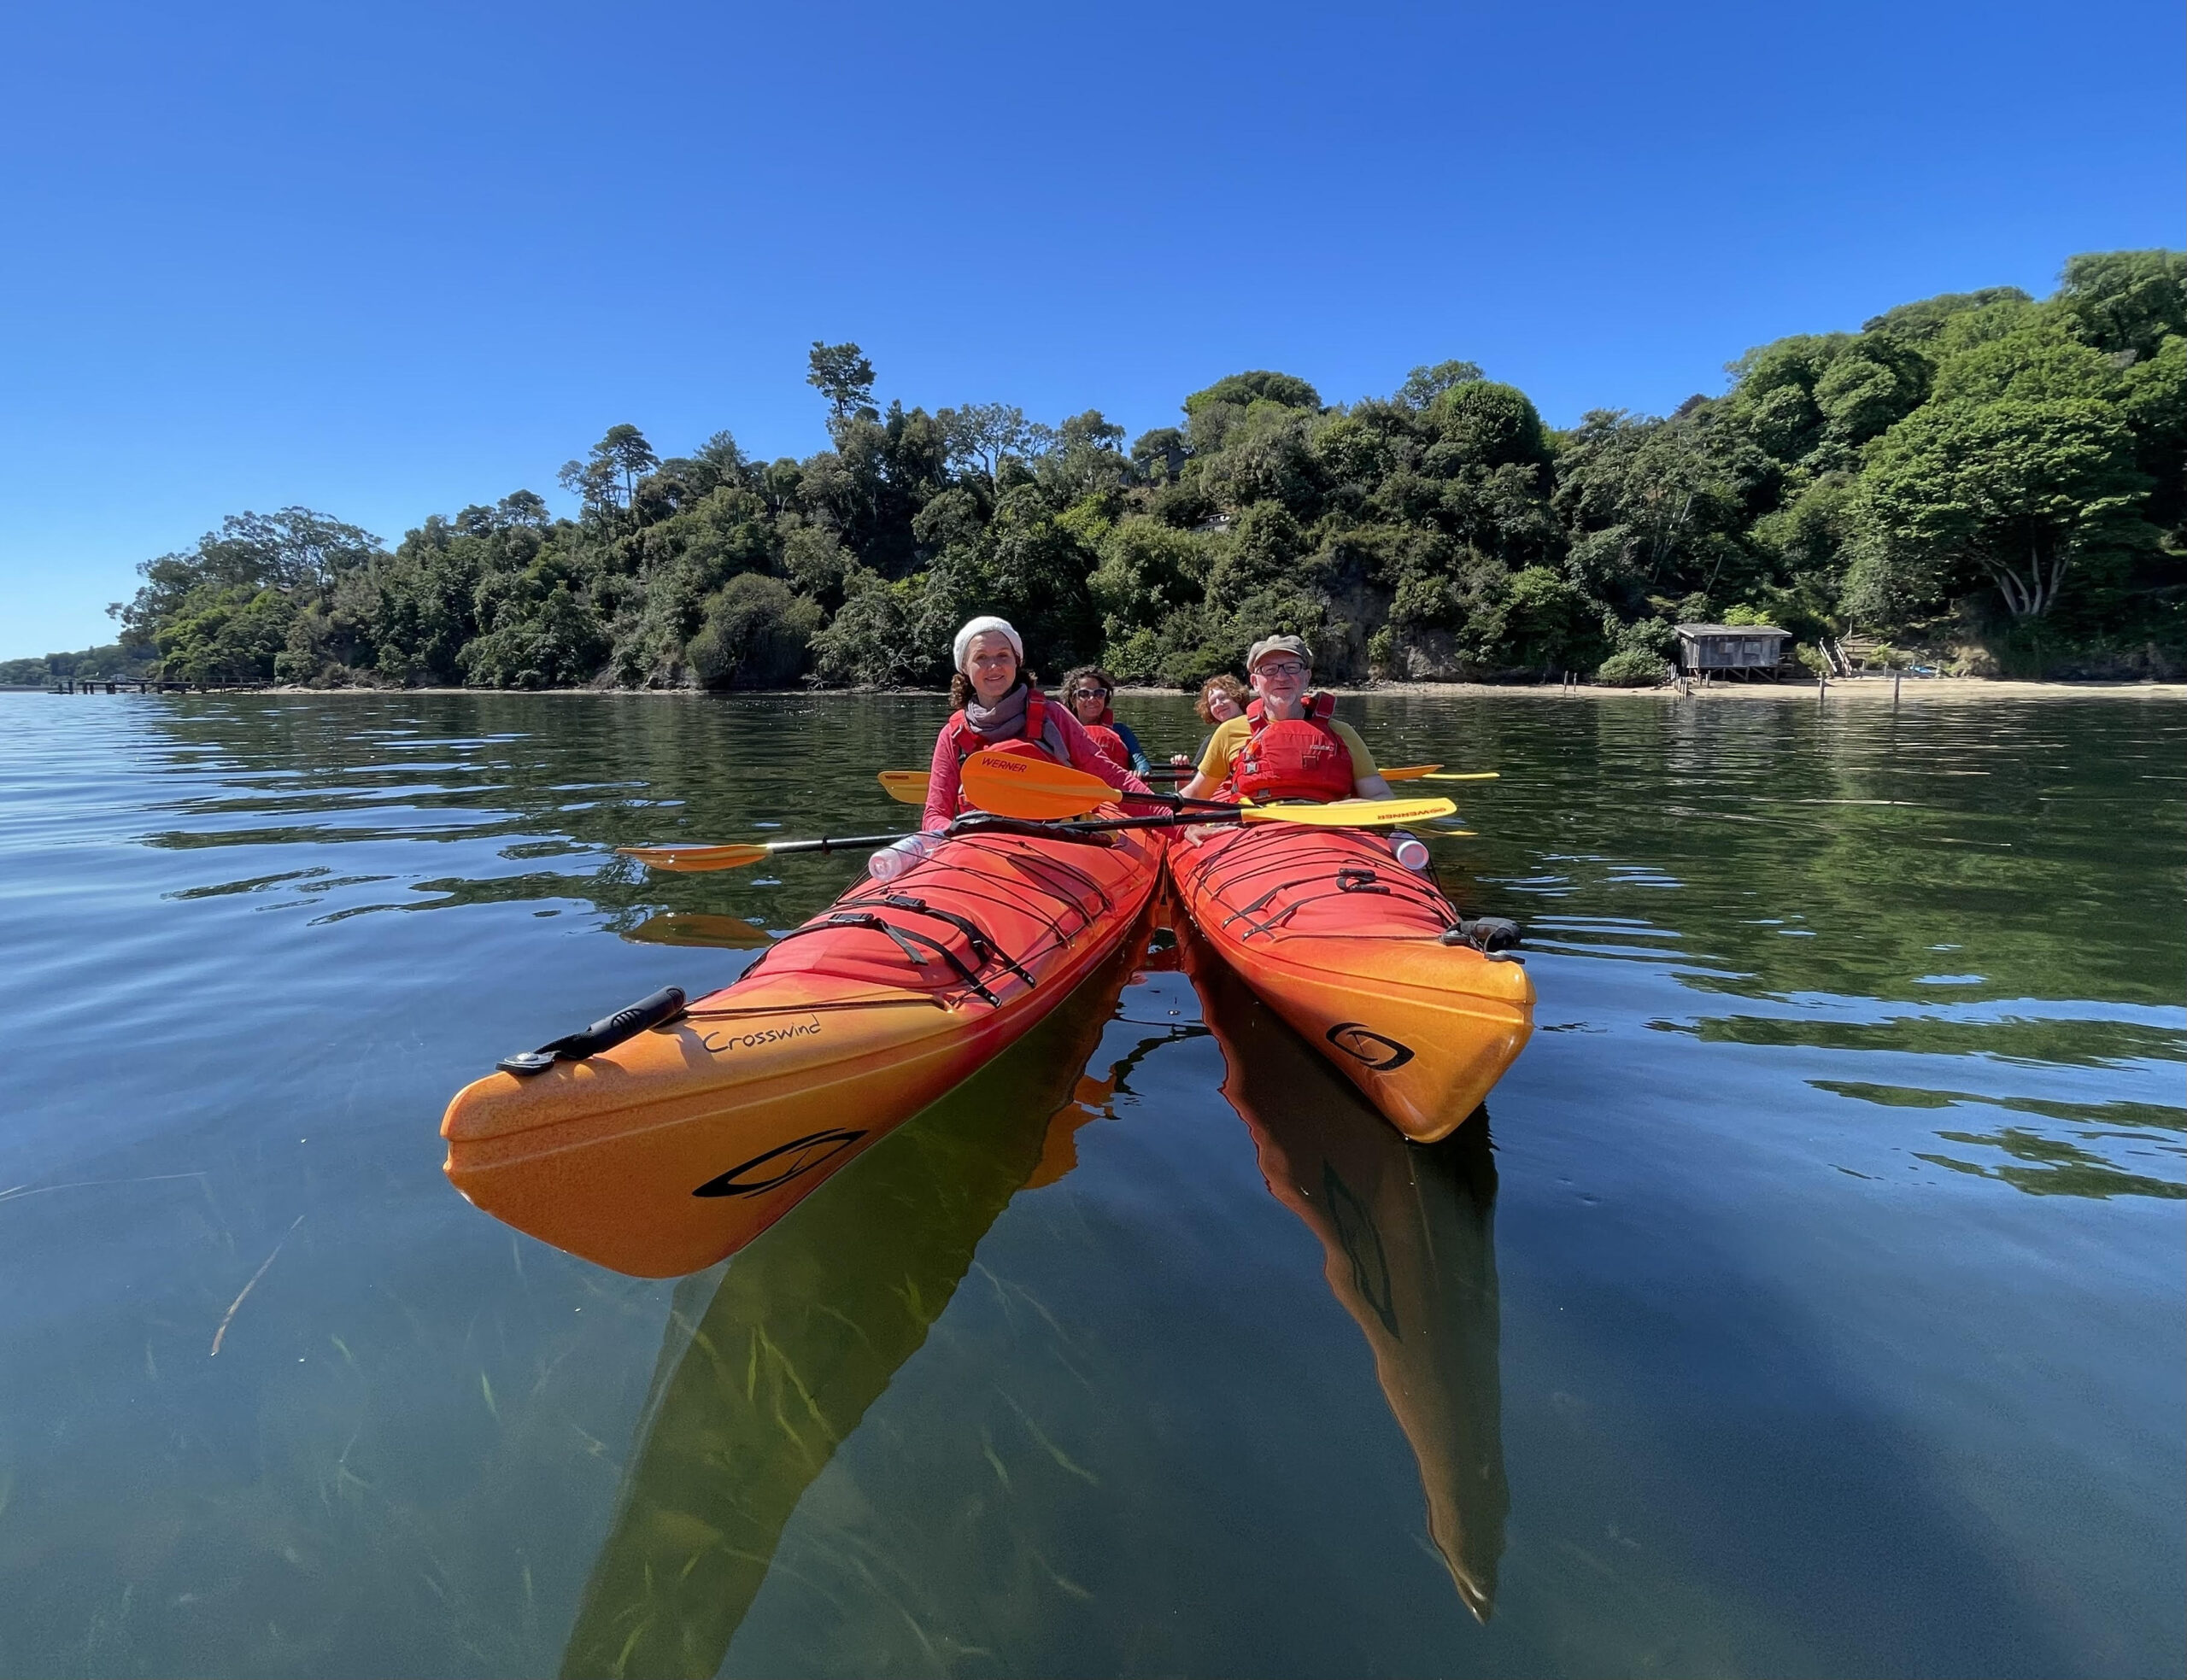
x,y
980,627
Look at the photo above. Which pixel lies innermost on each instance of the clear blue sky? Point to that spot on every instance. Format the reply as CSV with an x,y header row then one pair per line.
x,y
384,259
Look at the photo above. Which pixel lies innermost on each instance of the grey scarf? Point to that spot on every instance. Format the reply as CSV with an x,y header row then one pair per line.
x,y
1005,720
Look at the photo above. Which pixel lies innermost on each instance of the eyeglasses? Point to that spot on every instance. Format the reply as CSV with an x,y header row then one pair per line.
x,y
1085,694
1280,668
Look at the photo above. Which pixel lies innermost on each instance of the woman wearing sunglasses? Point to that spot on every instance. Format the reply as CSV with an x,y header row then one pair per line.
x,y
1086,691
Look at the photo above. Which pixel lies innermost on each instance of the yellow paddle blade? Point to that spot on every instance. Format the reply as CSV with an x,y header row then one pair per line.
x,y
694,860
1353,813
1010,784
1412,773
1458,775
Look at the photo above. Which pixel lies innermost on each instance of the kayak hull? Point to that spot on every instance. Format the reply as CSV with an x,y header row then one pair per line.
x,y
1347,947
674,1149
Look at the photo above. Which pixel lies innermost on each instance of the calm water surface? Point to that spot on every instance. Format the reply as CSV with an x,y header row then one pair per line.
x,y
1817,1310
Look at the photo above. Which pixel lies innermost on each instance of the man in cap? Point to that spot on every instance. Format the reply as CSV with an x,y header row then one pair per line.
x,y
1288,746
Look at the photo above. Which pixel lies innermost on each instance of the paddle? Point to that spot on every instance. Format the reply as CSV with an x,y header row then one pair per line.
x,y
701,859
698,859
909,787
1011,784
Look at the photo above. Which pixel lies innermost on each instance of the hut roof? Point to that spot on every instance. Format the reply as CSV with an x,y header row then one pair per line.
x,y
1731,629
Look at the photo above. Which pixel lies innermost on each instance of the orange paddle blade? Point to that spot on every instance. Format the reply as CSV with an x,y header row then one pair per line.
x,y
694,860
1353,813
731,933
909,787
1010,784
1410,772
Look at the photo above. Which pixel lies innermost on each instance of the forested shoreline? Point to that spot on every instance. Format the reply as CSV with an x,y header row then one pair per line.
x,y
1982,480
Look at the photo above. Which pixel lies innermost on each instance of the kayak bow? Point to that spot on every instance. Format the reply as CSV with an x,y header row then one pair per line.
x,y
1368,961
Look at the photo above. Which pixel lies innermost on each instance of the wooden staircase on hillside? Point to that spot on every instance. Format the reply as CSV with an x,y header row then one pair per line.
x,y
1851,655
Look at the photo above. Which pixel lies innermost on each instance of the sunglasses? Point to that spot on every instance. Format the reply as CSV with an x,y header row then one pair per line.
x,y
1085,694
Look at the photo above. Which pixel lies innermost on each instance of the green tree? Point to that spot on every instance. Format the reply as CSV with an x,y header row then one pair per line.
x,y
841,373
221,612
1030,566
2041,362
1148,570
540,628
2154,406
1082,457
889,634
757,634
1423,385
1242,390
1921,322
982,436
2125,303
2016,494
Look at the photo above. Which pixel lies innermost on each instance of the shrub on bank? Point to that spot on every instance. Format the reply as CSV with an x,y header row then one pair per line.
x,y
758,633
1633,669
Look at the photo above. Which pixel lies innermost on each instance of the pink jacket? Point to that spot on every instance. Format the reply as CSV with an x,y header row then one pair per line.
x,y
943,784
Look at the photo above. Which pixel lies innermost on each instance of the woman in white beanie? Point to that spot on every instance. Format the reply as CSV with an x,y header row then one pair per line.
x,y
999,707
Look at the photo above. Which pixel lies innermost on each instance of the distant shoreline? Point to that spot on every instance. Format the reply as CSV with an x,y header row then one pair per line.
x,y
1869,688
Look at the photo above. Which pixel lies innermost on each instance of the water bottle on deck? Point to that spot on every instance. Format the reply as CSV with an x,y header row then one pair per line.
x,y
892,861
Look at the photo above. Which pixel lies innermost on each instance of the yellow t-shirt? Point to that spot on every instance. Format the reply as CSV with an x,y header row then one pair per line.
x,y
1230,735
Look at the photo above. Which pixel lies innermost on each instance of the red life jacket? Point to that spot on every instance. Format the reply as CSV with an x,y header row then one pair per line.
x,y
1110,742
1039,737
1295,759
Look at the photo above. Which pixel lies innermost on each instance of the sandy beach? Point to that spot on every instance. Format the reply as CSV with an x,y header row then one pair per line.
x,y
1862,689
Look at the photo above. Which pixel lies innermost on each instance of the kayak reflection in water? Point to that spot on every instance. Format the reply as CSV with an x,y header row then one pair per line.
x,y
1408,1234
1287,745
1000,708
767,1368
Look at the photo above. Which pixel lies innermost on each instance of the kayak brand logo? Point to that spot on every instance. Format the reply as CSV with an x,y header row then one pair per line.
x,y
721,1042
778,1166
1362,1043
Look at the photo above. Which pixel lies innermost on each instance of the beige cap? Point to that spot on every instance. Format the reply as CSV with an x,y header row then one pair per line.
x,y
1278,644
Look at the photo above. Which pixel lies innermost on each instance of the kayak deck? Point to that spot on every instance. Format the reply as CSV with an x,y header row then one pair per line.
x,y
675,1148
1350,948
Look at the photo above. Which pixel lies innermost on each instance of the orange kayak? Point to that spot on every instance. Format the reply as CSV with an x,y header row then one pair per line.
x,y
673,1148
1367,960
